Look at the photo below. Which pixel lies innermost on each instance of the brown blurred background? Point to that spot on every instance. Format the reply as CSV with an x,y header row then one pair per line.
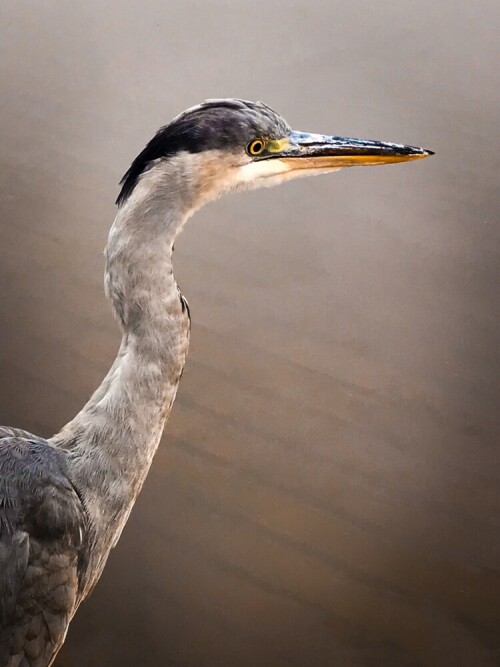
x,y
326,493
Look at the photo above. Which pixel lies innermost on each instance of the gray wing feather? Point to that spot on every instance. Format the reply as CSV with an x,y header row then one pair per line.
x,y
14,551
42,522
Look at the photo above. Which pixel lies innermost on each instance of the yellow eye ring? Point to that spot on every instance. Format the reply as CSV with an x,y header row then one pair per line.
x,y
256,147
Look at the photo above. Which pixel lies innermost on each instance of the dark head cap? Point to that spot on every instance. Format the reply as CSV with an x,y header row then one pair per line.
x,y
227,124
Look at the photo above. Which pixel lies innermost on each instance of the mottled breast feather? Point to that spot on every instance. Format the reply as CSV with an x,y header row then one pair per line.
x,y
42,526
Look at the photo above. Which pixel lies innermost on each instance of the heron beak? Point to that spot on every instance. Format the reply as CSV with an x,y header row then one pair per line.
x,y
318,152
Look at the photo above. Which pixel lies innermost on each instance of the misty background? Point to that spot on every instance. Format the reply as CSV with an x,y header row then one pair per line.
x,y
326,490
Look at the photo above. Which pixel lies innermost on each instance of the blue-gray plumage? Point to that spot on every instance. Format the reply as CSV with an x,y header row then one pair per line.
x,y
42,552
64,501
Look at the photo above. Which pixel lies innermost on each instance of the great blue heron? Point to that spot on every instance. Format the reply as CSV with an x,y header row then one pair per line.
x,y
64,501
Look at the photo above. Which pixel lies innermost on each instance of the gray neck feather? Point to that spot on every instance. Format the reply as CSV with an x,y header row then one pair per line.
x,y
112,440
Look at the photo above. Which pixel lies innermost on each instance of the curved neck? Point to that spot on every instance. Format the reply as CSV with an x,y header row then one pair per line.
x,y
112,440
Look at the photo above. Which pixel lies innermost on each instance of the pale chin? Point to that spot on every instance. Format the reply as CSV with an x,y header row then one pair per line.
x,y
268,173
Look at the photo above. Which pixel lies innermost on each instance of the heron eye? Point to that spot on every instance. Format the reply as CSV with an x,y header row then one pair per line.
x,y
256,147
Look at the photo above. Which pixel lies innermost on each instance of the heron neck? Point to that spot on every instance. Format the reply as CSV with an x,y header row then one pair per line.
x,y
112,440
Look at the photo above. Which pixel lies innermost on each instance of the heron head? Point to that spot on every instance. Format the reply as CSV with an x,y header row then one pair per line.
x,y
228,144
